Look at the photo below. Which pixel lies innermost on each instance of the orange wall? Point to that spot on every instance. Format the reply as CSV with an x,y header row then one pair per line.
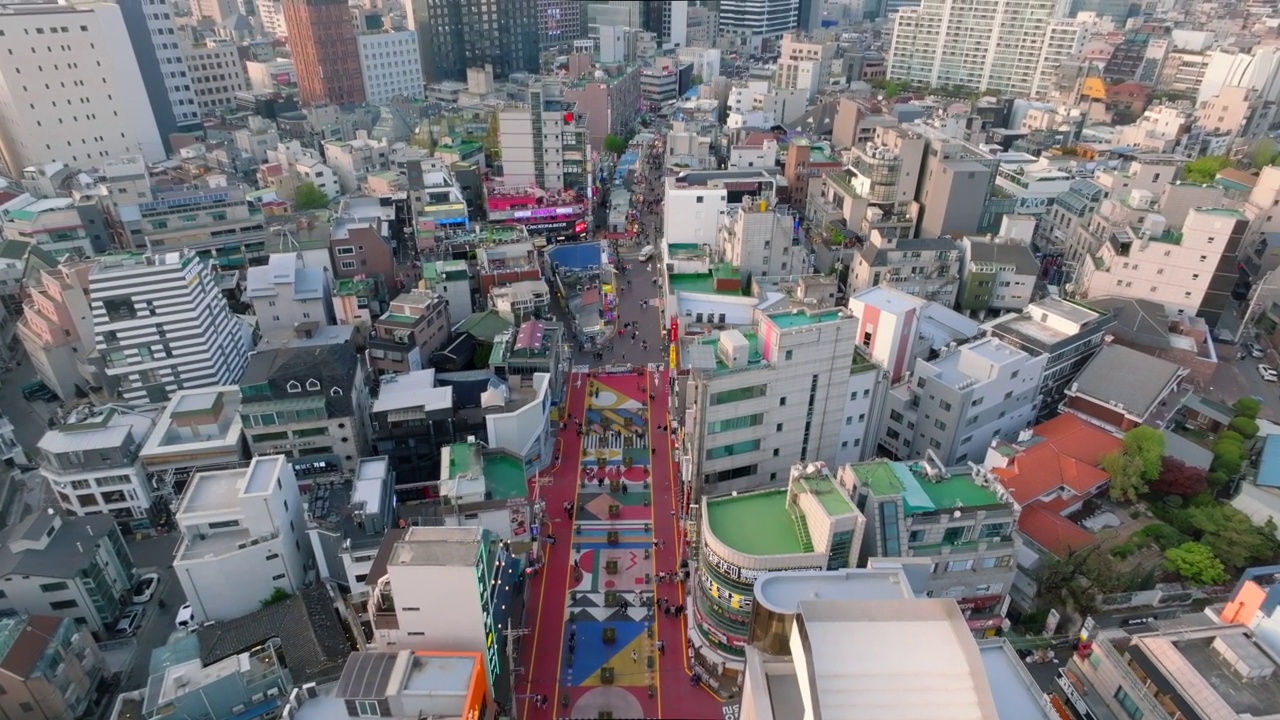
x,y
1244,607
477,691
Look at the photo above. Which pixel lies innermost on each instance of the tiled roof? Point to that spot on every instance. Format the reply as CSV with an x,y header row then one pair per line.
x,y
1052,532
29,646
1068,454
312,639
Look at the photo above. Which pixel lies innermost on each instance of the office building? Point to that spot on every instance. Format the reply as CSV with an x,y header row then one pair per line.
x,y
75,101
791,386
560,22
454,35
390,66
964,528
50,667
55,322
309,404
760,238
161,325
445,589
71,567
1069,334
747,26
926,267
956,182
545,143
216,75
92,461
323,40
347,521
412,420
611,103
403,339
219,11
955,404
243,535
159,47
809,525
940,44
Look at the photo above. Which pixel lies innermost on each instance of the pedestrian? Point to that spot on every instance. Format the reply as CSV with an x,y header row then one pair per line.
x,y
635,656
624,488
600,482
576,566
662,647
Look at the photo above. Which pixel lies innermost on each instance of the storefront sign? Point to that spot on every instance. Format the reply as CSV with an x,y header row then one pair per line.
x,y
551,228
726,596
978,603
744,575
546,212
985,624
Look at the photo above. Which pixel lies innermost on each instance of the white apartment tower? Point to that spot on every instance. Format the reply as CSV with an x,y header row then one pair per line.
x,y
746,24
161,325
390,66
70,88
170,48
984,44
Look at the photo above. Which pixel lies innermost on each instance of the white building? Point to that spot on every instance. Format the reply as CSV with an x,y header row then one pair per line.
x,y
170,48
804,65
544,143
390,66
271,76
705,61
70,88
940,43
746,25
526,431
288,297
243,535
760,238
216,74
695,202
93,461
355,160
161,324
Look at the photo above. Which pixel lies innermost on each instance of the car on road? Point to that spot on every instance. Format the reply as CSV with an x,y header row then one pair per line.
x,y
129,623
646,252
145,588
1255,350
1268,373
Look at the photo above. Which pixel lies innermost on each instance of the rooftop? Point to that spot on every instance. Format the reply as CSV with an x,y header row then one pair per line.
x,y
1064,452
504,477
62,556
762,523
102,428
792,319
699,283
1190,666
1126,379
412,392
206,419
919,493
784,591
437,546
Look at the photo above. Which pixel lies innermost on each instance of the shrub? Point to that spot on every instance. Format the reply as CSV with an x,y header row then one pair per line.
x,y
1217,480
1230,436
1246,427
1123,551
1248,407
1173,501
1164,536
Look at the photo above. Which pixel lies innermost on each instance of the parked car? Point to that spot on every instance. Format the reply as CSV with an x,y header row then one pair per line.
x,y
1268,373
1255,350
145,588
186,617
129,623
646,252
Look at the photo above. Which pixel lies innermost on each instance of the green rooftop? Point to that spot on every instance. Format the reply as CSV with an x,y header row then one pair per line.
x,y
504,477
354,287
756,523
462,459
400,318
803,318
699,283
832,499
685,250
754,356
1169,236
1224,212
920,494
462,149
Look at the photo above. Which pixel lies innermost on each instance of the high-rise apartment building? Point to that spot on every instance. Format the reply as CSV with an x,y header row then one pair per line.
x,y
390,66
161,325
323,40
983,45
70,88
546,142
748,25
454,35
158,46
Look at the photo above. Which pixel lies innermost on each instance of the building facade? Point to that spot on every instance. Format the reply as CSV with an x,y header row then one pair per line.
x,y
454,35
160,325
50,666
390,66
93,463
216,75
545,143
323,40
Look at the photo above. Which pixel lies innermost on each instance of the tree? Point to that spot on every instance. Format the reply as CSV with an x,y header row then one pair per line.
x,y
614,144
1147,445
278,595
1206,169
1125,471
696,80
310,197
1179,478
1196,564
1264,153
1247,427
1231,535
1248,407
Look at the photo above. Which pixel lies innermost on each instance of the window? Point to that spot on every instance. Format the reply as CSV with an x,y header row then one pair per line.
x,y
738,423
347,265
26,707
346,250
54,587
946,406
224,524
313,384
293,386
787,356
959,565
367,708
1128,704
740,448
939,424
736,395
993,531
63,605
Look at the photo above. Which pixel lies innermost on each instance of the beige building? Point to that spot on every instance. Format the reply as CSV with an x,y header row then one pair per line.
x,y
216,74
804,64
1235,111
50,667
1145,176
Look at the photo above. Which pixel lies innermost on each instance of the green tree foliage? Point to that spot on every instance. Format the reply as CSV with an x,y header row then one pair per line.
x,y
1247,427
1231,535
1206,169
1147,445
696,80
1125,471
614,144
1164,536
1264,153
1196,564
309,197
1248,407
278,595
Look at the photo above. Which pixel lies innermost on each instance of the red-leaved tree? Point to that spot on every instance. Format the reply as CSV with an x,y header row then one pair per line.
x,y
1179,478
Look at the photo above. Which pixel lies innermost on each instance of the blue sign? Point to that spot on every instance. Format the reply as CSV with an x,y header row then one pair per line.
x,y
451,221
535,530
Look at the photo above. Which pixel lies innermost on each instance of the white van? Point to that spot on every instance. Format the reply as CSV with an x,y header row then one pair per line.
x,y
186,617
647,252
